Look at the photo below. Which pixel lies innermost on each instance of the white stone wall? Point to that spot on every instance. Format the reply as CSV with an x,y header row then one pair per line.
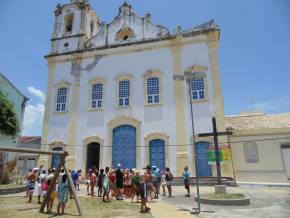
x,y
153,118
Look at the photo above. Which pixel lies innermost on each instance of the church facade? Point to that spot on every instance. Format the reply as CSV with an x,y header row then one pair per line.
x,y
112,98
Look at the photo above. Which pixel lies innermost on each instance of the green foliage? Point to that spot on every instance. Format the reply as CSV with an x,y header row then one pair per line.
x,y
8,119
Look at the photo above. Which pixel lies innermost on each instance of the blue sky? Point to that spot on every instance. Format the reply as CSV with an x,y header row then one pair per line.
x,y
254,52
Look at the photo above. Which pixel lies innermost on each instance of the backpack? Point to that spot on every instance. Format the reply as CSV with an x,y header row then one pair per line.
x,y
170,176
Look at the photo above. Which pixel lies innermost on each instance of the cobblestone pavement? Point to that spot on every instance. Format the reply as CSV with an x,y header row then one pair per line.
x,y
265,202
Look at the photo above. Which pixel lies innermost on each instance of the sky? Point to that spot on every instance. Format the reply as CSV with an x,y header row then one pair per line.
x,y
254,53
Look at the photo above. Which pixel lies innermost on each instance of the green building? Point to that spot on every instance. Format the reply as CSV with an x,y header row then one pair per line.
x,y
18,100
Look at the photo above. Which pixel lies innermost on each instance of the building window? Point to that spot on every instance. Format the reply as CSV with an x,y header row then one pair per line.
x,y
97,95
197,88
153,92
69,22
251,152
61,99
124,93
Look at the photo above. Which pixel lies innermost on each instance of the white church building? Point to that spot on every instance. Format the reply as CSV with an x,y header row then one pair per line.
x,y
111,97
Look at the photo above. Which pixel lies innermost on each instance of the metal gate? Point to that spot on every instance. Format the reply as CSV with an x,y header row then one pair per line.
x,y
124,146
157,153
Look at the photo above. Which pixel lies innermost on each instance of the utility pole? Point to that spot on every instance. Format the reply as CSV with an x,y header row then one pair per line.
x,y
188,77
215,135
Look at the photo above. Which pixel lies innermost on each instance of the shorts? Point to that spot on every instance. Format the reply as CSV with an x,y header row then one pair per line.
x,y
168,183
53,195
119,185
186,184
143,191
39,190
31,186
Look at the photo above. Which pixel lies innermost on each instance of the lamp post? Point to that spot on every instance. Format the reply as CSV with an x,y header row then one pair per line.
x,y
188,76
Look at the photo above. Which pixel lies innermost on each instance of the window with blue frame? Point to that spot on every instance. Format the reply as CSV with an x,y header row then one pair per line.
x,y
198,88
61,99
153,90
97,95
124,93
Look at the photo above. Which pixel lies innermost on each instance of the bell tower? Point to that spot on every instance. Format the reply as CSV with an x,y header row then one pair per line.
x,y
74,24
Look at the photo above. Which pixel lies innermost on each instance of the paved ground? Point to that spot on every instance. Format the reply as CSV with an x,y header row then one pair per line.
x,y
265,202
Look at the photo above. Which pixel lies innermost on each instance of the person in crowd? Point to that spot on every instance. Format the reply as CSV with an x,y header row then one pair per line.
x,y
142,183
32,177
88,181
112,182
79,179
105,185
156,181
119,182
63,191
93,181
53,193
186,179
100,183
75,177
127,183
27,182
163,183
149,182
135,185
40,180
168,178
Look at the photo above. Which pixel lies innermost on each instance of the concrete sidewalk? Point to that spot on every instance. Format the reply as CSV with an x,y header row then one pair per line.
x,y
262,184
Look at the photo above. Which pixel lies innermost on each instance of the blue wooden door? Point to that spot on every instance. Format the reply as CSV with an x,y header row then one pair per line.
x,y
124,146
55,158
203,168
157,153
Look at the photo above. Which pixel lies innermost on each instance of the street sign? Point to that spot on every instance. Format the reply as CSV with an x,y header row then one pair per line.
x,y
224,154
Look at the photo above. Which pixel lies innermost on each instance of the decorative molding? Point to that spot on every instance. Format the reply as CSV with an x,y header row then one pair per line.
x,y
91,139
196,68
62,84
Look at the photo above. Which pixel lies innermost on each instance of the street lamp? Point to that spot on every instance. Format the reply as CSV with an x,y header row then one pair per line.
x,y
188,76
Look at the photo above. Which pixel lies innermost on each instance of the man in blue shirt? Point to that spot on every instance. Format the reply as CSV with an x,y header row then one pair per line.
x,y
186,178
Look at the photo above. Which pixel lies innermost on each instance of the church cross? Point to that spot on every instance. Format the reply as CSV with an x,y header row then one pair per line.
x,y
215,135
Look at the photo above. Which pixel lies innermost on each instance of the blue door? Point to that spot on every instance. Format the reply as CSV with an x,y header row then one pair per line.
x,y
203,168
55,158
124,146
157,153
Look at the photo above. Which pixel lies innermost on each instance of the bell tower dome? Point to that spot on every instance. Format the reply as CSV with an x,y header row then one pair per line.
x,y
74,24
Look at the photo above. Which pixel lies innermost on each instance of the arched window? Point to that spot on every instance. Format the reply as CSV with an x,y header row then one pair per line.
x,y
92,27
153,90
124,93
69,22
124,34
61,99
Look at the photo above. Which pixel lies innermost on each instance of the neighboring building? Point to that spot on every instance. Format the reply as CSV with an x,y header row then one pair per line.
x,y
18,100
111,97
260,147
28,161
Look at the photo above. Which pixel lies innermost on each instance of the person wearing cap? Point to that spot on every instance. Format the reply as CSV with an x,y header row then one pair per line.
x,y
32,177
119,182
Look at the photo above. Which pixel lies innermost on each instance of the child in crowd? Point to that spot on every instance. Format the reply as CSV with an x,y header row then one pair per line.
x,y
163,183
79,179
88,180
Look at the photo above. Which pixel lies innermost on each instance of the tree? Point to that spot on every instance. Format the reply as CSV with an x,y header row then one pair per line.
x,y
8,119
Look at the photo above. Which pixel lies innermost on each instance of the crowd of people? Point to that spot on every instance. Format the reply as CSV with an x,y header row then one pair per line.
x,y
108,184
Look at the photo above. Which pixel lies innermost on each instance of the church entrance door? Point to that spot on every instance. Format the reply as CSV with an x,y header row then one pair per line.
x,y
55,158
93,155
157,153
124,146
204,169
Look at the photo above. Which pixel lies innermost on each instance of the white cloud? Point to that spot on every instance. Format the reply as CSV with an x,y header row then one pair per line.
x,y
272,105
33,116
36,92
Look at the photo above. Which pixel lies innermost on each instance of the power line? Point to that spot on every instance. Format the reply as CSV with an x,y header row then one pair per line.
x,y
176,145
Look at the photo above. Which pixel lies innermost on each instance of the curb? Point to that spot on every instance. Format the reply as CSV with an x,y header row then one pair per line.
x,y
226,202
12,190
262,184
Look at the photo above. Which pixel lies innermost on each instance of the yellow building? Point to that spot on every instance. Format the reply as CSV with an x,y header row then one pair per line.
x,y
260,147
